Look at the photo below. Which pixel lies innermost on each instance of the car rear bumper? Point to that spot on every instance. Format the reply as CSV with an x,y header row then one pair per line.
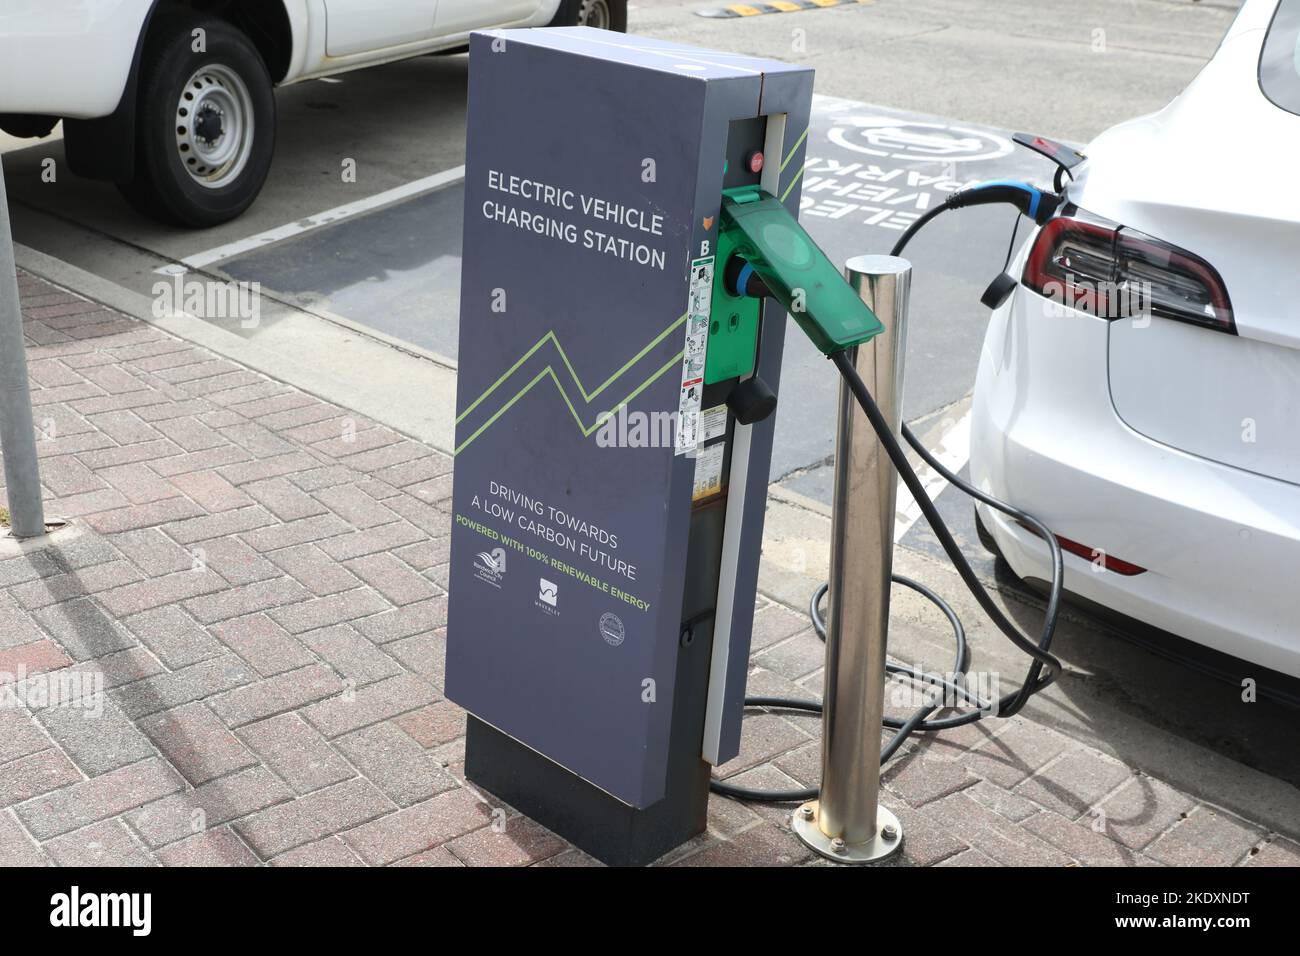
x,y
1221,546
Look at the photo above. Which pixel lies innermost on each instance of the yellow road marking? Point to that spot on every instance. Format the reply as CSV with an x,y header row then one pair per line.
x,y
776,6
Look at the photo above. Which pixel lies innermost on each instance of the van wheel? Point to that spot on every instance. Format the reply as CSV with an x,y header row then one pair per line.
x,y
602,14
205,126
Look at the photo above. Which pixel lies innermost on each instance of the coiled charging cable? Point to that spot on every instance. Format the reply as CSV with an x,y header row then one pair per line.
x,y
1045,667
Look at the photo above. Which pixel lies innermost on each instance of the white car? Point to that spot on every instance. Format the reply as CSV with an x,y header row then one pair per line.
x,y
172,99
1140,390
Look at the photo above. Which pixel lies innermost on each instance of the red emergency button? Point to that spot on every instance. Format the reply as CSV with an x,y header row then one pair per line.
x,y
755,162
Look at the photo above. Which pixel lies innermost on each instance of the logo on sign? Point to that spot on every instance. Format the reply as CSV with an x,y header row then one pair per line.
x,y
490,566
611,629
892,138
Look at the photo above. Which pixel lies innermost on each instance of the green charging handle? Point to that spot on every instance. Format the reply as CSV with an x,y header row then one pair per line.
x,y
796,271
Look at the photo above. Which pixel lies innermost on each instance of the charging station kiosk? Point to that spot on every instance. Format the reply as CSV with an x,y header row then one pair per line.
x,y
614,423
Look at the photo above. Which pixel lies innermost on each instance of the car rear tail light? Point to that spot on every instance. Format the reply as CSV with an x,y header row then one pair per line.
x,y
1113,272
1096,555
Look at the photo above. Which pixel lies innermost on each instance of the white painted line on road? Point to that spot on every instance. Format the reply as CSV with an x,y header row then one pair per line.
x,y
298,227
953,451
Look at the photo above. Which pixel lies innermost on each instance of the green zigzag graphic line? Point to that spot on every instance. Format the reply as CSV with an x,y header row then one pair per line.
x,y
586,396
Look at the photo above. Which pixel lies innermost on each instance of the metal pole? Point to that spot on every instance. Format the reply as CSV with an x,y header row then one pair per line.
x,y
17,431
847,822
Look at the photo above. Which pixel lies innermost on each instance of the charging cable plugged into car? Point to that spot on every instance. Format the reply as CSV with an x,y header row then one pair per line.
x,y
777,258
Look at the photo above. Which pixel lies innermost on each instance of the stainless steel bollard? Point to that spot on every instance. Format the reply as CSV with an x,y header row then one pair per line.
x,y
17,432
847,822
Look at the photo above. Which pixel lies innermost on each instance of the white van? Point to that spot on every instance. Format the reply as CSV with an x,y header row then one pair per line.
x,y
172,99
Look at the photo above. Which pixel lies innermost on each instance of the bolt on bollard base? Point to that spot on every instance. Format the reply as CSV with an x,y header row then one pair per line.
x,y
887,841
847,822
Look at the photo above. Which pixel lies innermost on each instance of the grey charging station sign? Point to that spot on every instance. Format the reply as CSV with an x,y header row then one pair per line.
x,y
594,174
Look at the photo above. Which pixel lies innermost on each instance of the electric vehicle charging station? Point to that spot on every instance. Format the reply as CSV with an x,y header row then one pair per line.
x,y
604,567
631,221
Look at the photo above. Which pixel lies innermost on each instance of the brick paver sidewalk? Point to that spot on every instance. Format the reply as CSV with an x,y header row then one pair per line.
x,y
260,578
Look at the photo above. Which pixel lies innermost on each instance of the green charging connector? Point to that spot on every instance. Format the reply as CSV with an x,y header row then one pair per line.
x,y
796,271
733,328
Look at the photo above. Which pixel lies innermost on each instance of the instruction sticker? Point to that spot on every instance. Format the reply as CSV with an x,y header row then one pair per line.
x,y
713,423
698,309
708,471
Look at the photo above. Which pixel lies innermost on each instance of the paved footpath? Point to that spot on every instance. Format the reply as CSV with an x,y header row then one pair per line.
x,y
259,580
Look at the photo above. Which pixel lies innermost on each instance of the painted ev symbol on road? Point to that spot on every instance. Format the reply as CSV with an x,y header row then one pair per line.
x,y
892,138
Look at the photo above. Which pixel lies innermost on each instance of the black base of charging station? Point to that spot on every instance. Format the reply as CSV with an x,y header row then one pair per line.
x,y
604,826
588,817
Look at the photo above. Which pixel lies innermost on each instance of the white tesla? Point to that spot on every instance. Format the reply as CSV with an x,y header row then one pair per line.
x,y
1140,389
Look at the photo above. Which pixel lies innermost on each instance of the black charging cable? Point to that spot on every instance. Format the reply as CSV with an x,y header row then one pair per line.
x,y
1045,667
1039,205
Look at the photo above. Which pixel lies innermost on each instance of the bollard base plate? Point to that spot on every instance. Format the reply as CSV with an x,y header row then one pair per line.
x,y
875,850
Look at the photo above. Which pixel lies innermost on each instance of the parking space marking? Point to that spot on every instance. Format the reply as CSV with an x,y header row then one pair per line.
x,y
329,216
953,451
735,10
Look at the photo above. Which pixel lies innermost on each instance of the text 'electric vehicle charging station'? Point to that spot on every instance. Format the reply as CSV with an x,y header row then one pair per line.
x,y
630,255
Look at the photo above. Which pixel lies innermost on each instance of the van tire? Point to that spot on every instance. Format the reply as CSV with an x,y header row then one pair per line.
x,y
612,14
205,124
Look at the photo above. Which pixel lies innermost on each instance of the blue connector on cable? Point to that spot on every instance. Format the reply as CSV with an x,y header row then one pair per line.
x,y
1033,202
